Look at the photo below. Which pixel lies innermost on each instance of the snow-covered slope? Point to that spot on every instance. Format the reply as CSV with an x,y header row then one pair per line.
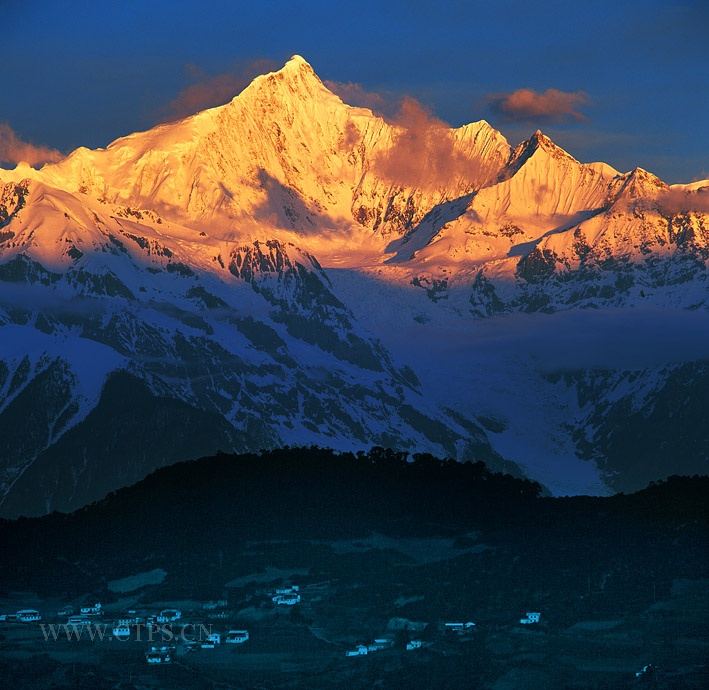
x,y
287,269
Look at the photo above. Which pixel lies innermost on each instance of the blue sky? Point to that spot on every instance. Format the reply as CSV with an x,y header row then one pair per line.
x,y
623,82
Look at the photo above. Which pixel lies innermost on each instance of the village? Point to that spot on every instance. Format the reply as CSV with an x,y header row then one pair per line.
x,y
172,633
281,624
351,599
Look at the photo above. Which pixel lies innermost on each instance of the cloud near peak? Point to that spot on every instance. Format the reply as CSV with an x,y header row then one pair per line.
x,y
681,201
14,150
550,106
384,105
208,91
424,151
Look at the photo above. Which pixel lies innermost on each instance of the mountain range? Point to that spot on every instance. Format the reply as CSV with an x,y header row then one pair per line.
x,y
287,269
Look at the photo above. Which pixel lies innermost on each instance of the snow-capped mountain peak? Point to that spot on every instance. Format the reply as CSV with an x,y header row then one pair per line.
x,y
286,268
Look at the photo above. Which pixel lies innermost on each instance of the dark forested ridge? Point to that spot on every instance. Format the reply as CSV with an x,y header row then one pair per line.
x,y
292,493
317,494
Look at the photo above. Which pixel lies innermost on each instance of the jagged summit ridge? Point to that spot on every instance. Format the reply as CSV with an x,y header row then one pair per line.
x,y
286,142
287,159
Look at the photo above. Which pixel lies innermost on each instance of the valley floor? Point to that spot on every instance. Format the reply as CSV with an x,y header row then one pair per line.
x,y
305,646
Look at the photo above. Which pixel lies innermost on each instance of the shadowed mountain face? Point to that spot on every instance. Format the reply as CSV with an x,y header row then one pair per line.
x,y
286,269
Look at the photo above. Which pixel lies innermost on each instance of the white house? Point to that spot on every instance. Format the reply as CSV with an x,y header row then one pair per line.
x,y
414,644
381,643
78,621
133,620
532,617
93,610
286,599
237,636
169,616
28,616
121,629
288,589
360,650
211,641
460,627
